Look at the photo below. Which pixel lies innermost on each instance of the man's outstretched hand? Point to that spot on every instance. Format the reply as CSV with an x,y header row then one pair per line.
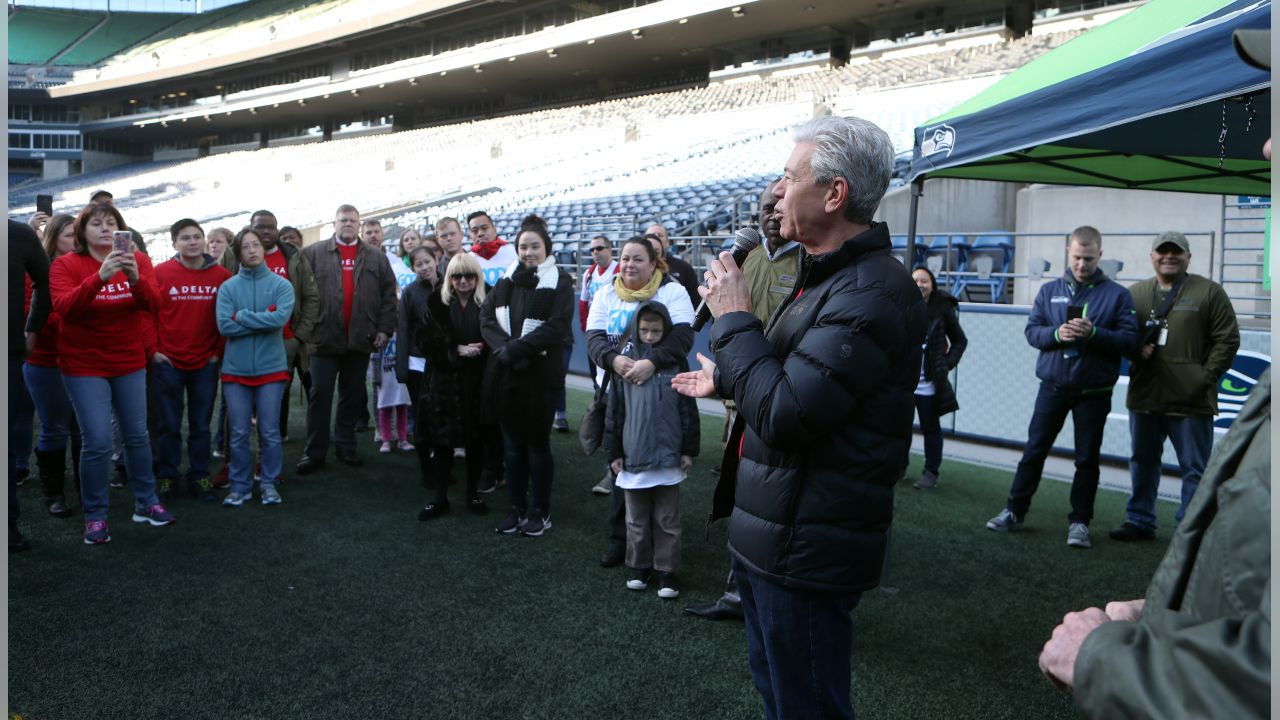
x,y
697,383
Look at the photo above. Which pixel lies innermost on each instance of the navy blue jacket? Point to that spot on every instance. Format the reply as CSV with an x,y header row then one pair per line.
x,y
1092,363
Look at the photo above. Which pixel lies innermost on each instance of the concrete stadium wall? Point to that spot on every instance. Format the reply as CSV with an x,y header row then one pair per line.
x,y
96,160
1056,209
953,206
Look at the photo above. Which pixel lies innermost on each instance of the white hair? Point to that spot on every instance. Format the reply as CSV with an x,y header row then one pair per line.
x,y
856,150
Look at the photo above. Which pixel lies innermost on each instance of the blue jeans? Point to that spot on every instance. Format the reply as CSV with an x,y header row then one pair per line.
x,y
1192,438
1089,419
799,646
197,388
22,415
52,405
93,399
242,402
220,426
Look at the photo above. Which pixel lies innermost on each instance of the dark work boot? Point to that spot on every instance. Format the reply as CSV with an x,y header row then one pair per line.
x,y
53,471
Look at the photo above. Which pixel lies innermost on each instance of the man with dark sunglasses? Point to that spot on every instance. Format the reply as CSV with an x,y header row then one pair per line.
x,y
599,274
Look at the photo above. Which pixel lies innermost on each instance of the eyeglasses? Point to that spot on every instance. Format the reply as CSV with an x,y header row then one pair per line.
x,y
599,248
464,276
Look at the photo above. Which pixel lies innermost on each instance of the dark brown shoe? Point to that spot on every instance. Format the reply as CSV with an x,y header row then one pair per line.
x,y
613,557
307,466
1128,532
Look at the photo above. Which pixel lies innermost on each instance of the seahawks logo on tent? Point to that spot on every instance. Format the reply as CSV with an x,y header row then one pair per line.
x,y
938,139
1235,385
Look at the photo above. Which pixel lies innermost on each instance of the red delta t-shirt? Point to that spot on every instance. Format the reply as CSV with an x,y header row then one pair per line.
x,y
348,256
186,325
104,325
279,265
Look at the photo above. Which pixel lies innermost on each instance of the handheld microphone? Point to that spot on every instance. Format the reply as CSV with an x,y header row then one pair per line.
x,y
746,240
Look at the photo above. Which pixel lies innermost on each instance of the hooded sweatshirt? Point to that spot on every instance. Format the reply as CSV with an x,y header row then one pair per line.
x,y
650,426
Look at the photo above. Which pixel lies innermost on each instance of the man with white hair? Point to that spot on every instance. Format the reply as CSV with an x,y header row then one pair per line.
x,y
825,405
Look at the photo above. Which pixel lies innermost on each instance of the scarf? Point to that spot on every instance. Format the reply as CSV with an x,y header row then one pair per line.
x,y
489,249
543,279
649,290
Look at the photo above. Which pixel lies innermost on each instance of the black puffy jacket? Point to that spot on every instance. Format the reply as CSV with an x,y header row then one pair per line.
x,y
944,344
825,408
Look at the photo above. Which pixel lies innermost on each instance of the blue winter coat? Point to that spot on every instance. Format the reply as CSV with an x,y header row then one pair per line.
x,y
1092,363
252,308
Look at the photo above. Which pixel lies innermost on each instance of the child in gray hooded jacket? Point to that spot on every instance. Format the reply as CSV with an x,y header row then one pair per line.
x,y
651,435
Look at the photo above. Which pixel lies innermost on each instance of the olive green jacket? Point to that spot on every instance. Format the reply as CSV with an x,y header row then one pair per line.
x,y
770,279
1182,377
1202,647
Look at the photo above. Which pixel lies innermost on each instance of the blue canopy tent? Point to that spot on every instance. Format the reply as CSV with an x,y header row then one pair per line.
x,y
1156,100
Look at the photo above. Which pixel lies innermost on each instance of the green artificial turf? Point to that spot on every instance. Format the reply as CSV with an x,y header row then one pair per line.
x,y
340,604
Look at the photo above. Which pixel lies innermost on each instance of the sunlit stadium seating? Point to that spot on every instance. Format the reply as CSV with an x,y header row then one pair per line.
x,y
38,35
604,166
121,30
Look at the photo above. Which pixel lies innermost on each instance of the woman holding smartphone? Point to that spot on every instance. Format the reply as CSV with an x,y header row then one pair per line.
x,y
103,291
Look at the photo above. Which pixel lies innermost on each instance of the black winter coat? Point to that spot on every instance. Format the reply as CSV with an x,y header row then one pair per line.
x,y
411,333
944,345
453,388
522,367
824,412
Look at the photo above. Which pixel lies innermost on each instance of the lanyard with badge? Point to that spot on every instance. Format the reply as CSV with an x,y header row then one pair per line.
x,y
1156,330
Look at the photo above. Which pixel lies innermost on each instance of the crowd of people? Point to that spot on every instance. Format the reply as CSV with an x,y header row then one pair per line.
x,y
825,349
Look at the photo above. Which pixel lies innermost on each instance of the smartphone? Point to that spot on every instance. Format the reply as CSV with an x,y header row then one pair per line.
x,y
44,204
1074,312
121,241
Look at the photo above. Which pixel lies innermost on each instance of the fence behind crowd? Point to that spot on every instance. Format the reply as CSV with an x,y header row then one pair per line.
x,y
996,382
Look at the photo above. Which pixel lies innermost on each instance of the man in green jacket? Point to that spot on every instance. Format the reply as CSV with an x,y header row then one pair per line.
x,y
1199,644
1189,339
771,268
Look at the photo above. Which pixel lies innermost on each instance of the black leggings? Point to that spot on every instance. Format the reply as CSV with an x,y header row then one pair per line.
x,y
442,464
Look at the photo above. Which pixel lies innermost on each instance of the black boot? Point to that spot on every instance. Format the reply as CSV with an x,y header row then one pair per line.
x,y
53,478
425,467
17,543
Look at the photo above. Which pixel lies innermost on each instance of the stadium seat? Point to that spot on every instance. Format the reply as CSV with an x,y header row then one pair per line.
x,y
946,254
990,255
900,250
